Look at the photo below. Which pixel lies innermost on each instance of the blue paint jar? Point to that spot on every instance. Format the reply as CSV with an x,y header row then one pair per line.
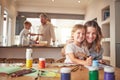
x,y
109,73
95,63
65,73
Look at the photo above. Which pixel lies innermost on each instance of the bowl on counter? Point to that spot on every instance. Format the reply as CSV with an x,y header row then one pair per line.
x,y
41,43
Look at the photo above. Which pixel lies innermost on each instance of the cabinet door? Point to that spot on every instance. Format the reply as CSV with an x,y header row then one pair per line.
x,y
118,54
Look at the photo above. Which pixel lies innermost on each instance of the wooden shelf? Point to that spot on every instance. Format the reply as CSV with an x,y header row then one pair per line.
x,y
107,21
106,40
106,58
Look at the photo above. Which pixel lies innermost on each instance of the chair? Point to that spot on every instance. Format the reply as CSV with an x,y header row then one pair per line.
x,y
61,60
2,60
35,60
15,60
47,60
63,52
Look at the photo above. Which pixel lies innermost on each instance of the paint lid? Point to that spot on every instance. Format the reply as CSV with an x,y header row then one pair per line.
x,y
28,53
108,69
93,68
29,50
42,59
65,70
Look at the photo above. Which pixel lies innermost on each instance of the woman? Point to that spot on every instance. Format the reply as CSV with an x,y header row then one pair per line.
x,y
93,40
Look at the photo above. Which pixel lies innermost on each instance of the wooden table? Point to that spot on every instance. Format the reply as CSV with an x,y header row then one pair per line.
x,y
77,75
7,77
83,74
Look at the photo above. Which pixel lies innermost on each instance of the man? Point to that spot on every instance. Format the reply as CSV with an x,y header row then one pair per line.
x,y
47,29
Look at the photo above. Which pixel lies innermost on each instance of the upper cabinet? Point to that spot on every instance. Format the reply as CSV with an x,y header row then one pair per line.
x,y
105,13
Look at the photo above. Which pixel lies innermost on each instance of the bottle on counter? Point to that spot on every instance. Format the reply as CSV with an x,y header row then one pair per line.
x,y
29,59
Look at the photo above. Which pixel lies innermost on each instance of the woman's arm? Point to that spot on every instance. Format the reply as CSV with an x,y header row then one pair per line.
x,y
75,60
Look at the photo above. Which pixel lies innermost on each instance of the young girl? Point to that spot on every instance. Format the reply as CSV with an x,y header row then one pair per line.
x,y
93,40
74,49
25,34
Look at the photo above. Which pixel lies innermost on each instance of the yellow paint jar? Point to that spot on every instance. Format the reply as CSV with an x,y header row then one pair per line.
x,y
29,63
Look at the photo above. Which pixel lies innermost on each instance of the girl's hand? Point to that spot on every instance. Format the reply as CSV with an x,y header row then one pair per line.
x,y
89,61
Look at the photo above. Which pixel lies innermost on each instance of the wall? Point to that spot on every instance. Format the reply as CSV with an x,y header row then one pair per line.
x,y
94,9
1,19
10,7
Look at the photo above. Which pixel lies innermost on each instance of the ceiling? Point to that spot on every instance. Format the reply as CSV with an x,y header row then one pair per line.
x,y
64,4
56,3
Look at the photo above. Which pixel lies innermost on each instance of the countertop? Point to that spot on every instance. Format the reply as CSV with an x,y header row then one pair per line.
x,y
16,46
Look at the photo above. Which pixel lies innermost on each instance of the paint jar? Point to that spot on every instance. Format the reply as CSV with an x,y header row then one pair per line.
x,y
29,63
29,52
93,73
65,73
29,58
41,62
109,73
95,63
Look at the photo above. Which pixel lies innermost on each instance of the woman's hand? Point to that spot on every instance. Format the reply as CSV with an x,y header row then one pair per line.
x,y
40,34
69,41
102,62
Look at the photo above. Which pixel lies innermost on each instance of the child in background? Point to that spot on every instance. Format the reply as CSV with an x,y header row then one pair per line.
x,y
25,34
74,49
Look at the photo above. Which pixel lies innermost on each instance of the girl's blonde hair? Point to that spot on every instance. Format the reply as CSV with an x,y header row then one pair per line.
x,y
27,23
76,27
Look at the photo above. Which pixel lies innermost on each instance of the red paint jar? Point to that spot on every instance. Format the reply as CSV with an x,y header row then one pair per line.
x,y
41,62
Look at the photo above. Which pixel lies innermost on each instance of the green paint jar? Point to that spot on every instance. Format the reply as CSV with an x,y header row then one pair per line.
x,y
93,73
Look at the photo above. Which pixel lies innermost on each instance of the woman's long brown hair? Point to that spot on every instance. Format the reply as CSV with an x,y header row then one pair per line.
x,y
97,41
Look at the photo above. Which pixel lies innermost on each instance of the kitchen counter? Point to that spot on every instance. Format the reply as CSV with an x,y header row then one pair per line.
x,y
38,51
14,46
